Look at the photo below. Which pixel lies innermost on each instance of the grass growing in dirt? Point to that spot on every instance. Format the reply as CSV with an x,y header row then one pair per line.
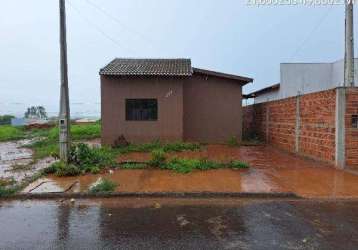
x,y
79,132
156,145
233,142
104,186
7,187
48,145
9,133
157,158
183,165
133,165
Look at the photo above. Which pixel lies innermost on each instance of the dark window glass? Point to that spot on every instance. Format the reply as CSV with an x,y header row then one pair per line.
x,y
141,109
354,121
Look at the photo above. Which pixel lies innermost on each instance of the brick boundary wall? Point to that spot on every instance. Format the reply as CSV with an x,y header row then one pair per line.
x,y
303,124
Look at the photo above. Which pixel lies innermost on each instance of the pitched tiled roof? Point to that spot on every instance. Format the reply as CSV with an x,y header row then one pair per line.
x,y
148,67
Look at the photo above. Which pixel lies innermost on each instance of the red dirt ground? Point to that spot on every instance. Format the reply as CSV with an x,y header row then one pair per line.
x,y
271,171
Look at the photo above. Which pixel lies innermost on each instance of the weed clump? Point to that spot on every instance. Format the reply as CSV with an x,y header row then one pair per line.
x,y
185,166
83,159
238,165
157,158
90,159
61,169
133,166
233,142
104,186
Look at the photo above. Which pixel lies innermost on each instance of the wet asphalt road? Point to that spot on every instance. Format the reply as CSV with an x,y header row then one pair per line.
x,y
178,224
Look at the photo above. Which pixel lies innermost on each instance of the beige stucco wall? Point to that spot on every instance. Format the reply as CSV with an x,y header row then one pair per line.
x,y
168,91
212,109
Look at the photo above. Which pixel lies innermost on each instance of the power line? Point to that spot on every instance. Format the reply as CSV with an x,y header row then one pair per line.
x,y
315,28
114,18
98,29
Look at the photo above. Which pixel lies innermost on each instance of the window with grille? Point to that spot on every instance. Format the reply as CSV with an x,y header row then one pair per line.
x,y
141,109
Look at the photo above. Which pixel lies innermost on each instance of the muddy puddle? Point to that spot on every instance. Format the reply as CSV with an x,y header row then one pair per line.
x,y
271,171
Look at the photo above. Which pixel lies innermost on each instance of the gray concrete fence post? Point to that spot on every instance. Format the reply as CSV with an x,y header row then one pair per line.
x,y
340,127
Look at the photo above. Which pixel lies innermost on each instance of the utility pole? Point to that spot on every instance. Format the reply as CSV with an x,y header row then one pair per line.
x,y
349,46
64,115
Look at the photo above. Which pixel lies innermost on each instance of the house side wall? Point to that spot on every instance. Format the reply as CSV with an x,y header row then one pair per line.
x,y
168,92
304,124
212,109
351,136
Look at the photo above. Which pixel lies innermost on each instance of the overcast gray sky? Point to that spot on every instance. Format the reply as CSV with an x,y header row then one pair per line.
x,y
222,35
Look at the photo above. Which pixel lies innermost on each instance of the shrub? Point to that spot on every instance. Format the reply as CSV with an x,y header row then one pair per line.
x,y
238,165
157,158
233,142
104,186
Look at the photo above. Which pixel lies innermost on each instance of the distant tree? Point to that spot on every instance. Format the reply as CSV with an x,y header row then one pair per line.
x,y
6,119
38,112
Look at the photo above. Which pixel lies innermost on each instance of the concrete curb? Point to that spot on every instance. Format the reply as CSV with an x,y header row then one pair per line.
x,y
197,195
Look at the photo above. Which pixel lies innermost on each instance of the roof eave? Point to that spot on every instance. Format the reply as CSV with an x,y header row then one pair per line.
x,y
243,80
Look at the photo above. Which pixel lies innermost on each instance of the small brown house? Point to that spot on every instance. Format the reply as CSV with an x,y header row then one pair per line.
x,y
166,99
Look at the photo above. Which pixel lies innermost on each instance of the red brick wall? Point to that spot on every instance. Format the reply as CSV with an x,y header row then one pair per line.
x,y
253,123
282,122
317,124
351,133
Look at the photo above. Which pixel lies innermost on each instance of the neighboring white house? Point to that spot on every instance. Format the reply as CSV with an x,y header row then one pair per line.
x,y
304,78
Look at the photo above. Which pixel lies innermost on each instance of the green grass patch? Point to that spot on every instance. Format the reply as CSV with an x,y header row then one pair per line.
x,y
185,166
104,186
79,132
49,146
44,148
9,133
